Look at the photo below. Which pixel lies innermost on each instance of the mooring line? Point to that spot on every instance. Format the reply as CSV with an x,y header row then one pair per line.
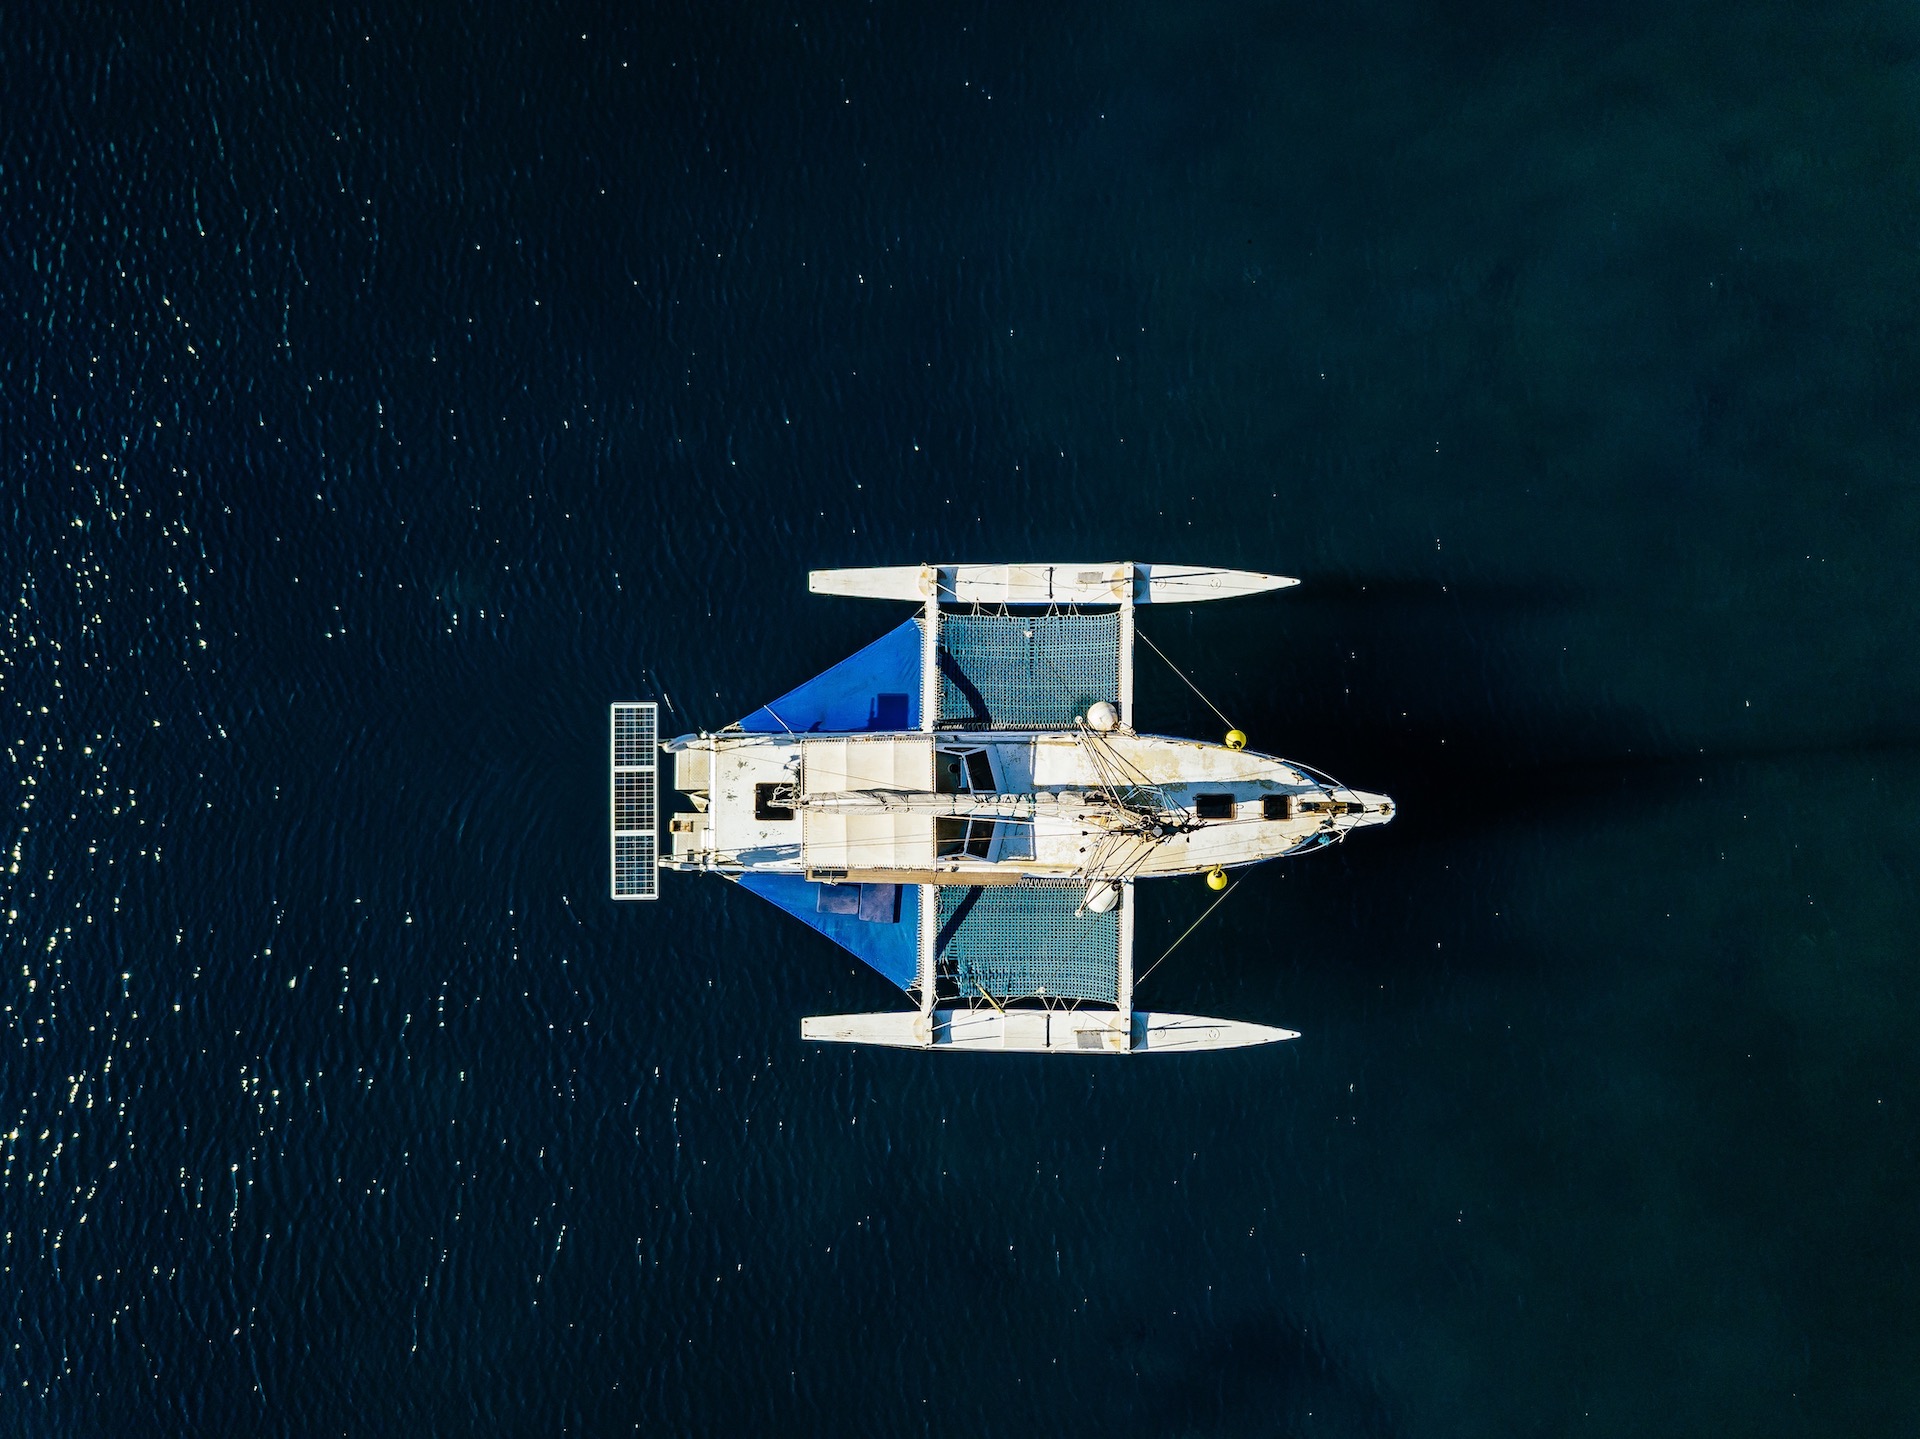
x,y
1190,929
1141,634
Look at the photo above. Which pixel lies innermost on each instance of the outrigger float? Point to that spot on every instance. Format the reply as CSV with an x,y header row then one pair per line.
x,y
966,806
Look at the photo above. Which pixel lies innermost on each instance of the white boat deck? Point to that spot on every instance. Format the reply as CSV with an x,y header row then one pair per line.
x,y
867,804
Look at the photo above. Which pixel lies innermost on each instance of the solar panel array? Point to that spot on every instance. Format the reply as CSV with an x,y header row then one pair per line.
x,y
635,801
1026,671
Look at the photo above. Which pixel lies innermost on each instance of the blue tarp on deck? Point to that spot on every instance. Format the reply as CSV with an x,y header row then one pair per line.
x,y
880,928
876,689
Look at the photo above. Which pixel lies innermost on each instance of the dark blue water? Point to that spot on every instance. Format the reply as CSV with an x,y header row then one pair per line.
x,y
380,397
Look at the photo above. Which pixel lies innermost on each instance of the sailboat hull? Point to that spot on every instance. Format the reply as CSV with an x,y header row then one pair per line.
x,y
1041,1031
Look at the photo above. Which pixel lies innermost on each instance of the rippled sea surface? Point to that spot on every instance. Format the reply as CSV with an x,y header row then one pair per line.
x,y
381,396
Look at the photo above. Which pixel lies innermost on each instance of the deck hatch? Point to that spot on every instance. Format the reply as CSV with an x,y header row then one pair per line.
x,y
634,801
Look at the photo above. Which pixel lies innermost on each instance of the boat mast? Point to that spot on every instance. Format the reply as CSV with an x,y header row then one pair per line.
x,y
929,717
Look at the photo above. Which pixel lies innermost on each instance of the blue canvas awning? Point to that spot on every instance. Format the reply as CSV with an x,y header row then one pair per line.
x,y
877,688
877,923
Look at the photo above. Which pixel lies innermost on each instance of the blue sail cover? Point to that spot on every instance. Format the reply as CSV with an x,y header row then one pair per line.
x,y
876,689
877,923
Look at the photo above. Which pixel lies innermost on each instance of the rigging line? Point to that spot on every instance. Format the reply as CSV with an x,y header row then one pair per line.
x,y
1110,777
1102,761
1123,870
1111,768
1139,781
1159,791
1103,775
1139,863
789,728
1108,848
1128,865
1189,930
1141,634
1326,779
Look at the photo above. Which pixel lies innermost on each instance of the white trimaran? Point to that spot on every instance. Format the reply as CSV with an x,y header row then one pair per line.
x,y
966,806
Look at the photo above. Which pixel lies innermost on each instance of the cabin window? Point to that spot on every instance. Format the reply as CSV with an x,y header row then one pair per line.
x,y
1213,806
773,801
980,771
963,771
955,837
1276,806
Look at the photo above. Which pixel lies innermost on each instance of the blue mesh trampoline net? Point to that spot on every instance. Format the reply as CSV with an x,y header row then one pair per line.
x,y
1025,941
1037,671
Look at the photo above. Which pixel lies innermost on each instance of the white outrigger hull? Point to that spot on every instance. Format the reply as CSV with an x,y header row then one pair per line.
x,y
1041,1031
1055,584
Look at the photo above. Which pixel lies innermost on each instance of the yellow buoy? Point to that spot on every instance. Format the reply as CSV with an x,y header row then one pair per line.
x,y
1216,878
1236,739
